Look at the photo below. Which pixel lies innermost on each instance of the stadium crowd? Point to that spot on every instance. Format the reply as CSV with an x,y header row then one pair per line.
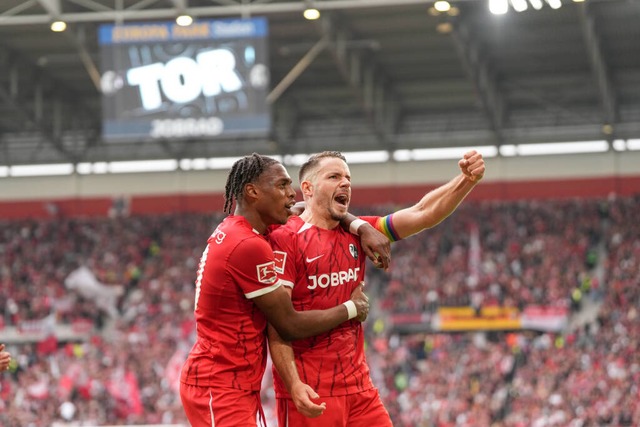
x,y
532,253
488,253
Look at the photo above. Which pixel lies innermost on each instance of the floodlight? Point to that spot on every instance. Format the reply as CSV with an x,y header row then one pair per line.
x,y
311,14
554,4
58,26
498,7
184,20
536,4
442,6
519,5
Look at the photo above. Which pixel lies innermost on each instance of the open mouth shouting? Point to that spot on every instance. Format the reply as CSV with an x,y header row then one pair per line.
x,y
342,200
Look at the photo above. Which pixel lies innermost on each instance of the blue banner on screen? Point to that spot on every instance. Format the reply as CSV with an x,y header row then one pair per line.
x,y
161,80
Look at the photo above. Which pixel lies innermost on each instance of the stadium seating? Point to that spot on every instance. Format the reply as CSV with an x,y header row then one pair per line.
x,y
78,359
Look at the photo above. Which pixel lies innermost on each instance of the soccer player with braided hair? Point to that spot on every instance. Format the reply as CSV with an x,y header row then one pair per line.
x,y
238,292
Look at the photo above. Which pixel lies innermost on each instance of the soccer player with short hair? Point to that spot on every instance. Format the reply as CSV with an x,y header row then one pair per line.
x,y
320,264
237,292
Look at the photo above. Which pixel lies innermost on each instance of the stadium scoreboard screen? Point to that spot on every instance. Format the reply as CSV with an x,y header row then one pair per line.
x,y
160,80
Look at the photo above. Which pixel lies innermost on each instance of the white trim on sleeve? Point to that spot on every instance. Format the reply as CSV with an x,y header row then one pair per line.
x,y
263,291
287,283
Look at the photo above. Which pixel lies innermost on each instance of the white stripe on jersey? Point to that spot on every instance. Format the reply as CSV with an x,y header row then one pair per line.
x,y
263,291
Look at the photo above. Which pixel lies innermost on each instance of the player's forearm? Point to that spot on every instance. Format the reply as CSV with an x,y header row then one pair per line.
x,y
434,207
313,322
283,358
294,325
350,223
442,201
374,243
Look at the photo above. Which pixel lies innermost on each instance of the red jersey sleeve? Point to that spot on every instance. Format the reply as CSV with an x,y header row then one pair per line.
x,y
253,266
284,251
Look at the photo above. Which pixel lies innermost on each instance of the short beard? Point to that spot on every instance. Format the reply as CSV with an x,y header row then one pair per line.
x,y
337,217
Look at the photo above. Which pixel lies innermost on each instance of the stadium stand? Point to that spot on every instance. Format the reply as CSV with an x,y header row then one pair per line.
x,y
519,310
121,367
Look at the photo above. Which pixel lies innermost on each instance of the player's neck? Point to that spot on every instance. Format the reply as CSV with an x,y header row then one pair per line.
x,y
319,219
253,218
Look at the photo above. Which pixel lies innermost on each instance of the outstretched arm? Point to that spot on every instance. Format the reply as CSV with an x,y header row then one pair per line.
x,y
439,203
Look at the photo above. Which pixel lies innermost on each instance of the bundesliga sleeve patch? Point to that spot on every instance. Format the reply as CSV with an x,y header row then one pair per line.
x,y
267,273
281,260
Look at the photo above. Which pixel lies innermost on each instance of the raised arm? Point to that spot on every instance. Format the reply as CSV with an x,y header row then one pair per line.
x,y
441,202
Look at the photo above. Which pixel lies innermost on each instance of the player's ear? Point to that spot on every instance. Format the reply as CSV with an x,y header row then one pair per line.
x,y
306,188
250,191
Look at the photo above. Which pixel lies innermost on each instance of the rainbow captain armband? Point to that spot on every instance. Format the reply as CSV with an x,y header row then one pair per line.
x,y
384,225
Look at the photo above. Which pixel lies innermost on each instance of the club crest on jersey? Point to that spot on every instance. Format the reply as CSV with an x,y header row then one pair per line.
x,y
281,260
353,250
267,273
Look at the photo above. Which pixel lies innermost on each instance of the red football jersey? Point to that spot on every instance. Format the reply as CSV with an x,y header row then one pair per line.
x,y
236,266
323,267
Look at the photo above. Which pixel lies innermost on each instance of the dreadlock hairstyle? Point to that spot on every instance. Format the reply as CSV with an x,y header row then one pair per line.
x,y
314,160
244,171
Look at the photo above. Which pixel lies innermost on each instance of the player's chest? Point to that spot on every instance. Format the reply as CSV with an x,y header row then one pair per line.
x,y
331,264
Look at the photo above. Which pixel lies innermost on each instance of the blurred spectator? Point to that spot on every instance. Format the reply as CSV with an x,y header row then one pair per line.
x,y
84,282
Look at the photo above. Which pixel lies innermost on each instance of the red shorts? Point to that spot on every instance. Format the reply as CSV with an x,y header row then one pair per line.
x,y
354,410
208,407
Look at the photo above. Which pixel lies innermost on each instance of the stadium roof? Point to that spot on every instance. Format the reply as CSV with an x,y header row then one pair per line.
x,y
367,75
